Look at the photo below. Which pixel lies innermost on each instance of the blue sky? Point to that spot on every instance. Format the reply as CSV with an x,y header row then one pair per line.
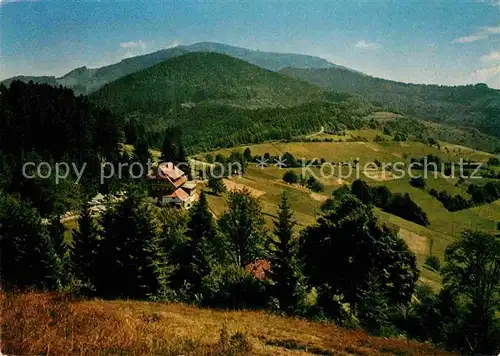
x,y
441,41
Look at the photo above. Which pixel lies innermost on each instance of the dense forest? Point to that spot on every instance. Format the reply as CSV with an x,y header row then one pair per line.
x,y
40,123
209,127
204,78
475,106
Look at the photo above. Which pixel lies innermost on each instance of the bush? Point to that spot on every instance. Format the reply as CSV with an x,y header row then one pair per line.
x,y
418,182
494,161
431,141
232,345
290,177
404,207
433,263
314,185
231,286
339,193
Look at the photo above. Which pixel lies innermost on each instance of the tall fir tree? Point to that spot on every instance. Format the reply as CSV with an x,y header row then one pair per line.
x,y
85,247
285,266
23,245
204,245
57,256
130,261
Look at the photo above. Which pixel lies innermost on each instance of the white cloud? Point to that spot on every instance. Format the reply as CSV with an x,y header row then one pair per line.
x,y
493,30
490,2
134,44
485,74
492,57
469,39
174,43
367,45
482,34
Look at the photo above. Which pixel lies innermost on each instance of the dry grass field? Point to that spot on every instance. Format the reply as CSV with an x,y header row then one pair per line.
x,y
44,324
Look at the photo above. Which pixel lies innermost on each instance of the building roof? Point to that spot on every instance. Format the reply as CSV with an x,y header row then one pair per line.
x,y
169,170
190,185
179,194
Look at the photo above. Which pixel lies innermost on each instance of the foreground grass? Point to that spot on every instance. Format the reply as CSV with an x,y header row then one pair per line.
x,y
43,324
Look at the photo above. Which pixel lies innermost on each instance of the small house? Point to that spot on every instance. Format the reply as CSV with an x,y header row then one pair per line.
x,y
170,186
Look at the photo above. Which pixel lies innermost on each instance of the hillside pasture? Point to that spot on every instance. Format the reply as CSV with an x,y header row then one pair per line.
x,y
444,225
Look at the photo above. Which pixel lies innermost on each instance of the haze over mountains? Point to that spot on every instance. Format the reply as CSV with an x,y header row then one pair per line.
x,y
86,80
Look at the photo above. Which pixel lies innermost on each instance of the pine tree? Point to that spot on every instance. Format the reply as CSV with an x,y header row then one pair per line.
x,y
285,268
247,154
57,256
130,260
85,246
23,244
202,244
141,151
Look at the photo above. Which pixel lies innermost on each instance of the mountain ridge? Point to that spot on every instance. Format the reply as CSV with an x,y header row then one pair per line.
x,y
205,77
84,80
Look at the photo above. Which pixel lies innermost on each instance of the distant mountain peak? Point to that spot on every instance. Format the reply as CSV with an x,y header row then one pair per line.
x,y
87,80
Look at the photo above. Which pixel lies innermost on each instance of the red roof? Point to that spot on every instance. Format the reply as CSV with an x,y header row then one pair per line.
x,y
179,194
169,170
259,269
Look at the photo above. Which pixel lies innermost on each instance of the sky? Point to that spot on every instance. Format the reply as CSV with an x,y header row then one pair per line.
x,y
449,42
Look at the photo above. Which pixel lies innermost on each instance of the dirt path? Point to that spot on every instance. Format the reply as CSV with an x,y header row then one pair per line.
x,y
316,133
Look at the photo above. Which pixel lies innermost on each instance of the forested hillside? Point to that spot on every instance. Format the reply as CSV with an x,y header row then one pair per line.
x,y
204,78
474,106
40,123
208,127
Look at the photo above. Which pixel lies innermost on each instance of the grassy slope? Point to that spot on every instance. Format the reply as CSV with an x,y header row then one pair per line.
x,y
204,78
444,226
39,324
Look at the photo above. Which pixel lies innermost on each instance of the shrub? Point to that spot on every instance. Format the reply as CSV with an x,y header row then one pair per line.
x,y
404,207
433,263
418,182
290,177
231,286
494,161
314,185
431,141
340,192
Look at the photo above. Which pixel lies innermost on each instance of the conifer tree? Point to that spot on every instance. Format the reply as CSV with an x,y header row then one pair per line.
x,y
57,256
285,267
141,151
130,260
85,246
23,244
202,243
